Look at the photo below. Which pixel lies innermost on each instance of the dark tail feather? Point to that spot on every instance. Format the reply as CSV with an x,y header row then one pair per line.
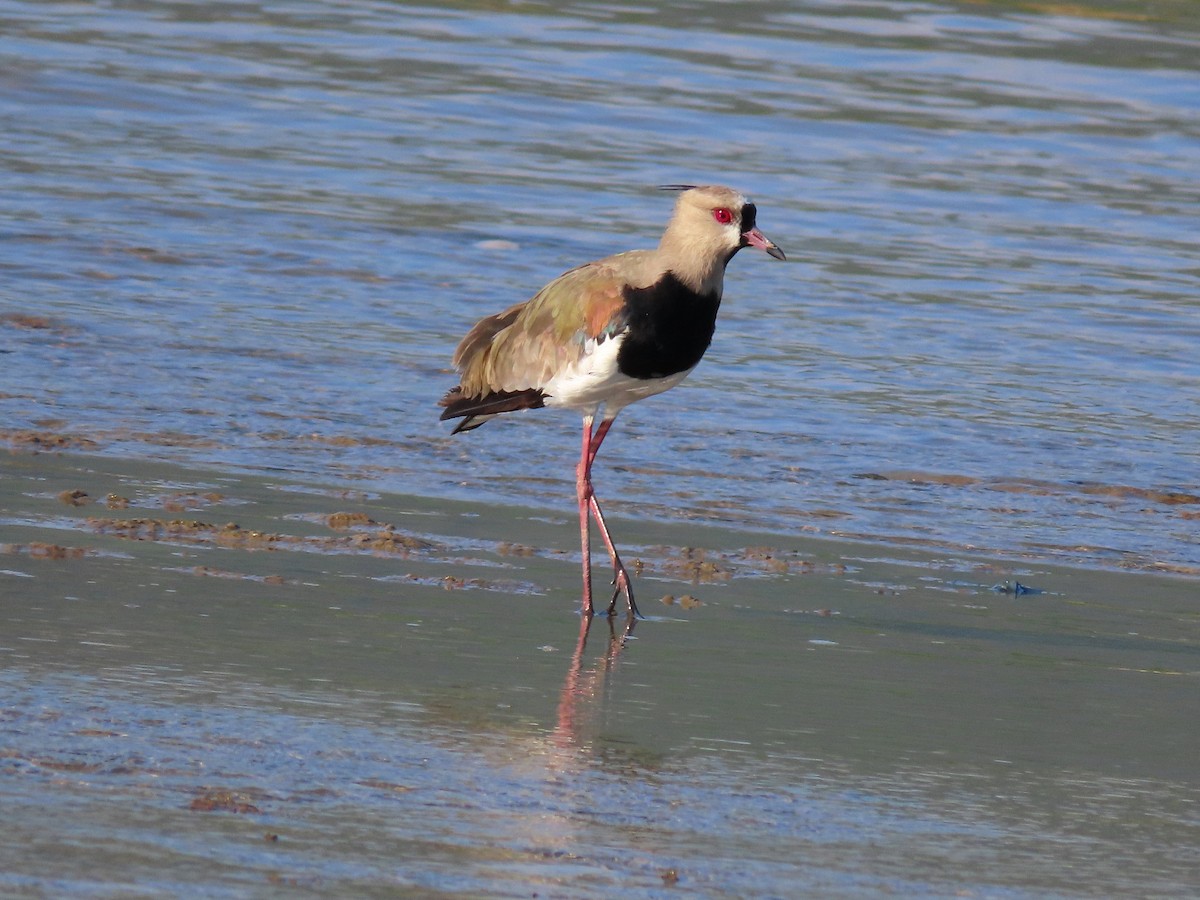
x,y
474,411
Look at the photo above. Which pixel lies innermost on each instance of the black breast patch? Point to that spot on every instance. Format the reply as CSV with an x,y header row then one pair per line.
x,y
670,327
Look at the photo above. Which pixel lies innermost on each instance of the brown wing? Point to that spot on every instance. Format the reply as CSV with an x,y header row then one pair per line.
x,y
523,347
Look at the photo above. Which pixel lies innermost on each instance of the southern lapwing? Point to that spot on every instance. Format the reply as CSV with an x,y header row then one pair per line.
x,y
608,333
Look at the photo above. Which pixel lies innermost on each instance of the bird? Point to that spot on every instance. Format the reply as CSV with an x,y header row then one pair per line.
x,y
606,334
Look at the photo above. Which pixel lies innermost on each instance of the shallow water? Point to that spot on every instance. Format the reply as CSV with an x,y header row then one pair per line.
x,y
250,235
398,704
245,237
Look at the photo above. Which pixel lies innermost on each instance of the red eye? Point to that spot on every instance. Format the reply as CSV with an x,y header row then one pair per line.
x,y
722,215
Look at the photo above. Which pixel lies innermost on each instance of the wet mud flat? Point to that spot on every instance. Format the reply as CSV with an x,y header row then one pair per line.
x,y
236,685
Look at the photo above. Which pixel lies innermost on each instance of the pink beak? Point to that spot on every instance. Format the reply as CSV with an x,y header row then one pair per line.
x,y
755,238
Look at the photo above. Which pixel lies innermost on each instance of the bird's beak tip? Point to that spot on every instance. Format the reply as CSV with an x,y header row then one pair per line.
x,y
755,238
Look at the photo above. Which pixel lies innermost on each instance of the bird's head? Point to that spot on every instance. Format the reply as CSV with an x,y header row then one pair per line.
x,y
714,222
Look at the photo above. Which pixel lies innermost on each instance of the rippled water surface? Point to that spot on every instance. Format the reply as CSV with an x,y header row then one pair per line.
x,y
270,630
251,234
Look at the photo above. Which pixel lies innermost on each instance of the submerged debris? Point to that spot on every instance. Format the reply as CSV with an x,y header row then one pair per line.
x,y
42,550
341,520
31,321
1016,589
185,500
693,564
687,601
233,536
510,548
221,800
37,441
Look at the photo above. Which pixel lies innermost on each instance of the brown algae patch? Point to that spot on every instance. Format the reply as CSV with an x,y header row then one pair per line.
x,y
509,548
698,565
26,321
188,500
43,441
342,520
687,601
233,535
43,550
223,800
367,533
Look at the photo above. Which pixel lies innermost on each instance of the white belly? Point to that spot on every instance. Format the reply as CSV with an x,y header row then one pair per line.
x,y
594,380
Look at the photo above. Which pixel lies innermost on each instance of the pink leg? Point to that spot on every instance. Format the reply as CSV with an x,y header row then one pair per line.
x,y
583,490
589,503
620,575
597,440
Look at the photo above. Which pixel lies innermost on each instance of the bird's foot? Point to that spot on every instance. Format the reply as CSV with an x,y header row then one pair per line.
x,y
622,585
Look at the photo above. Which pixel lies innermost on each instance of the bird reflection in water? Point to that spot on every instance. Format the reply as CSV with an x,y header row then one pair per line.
x,y
581,689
